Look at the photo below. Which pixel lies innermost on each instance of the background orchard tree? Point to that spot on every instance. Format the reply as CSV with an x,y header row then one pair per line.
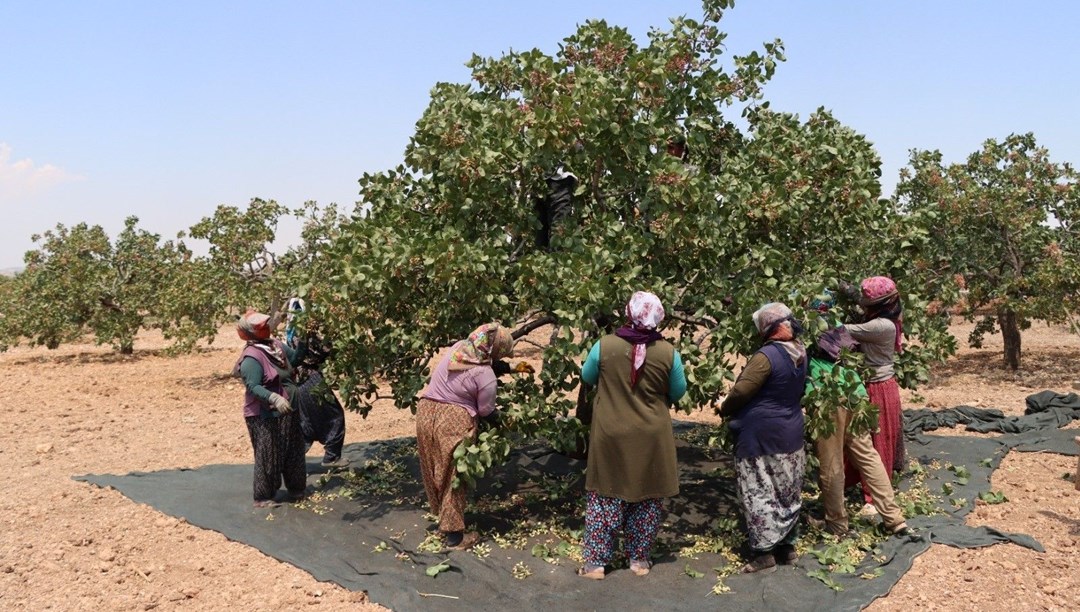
x,y
1004,222
78,282
671,196
244,267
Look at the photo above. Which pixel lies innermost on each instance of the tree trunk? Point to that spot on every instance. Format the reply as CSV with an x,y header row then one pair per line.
x,y
1010,333
127,348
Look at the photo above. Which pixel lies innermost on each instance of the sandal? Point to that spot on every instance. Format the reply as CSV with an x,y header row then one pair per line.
x,y
468,540
593,574
785,554
266,503
640,568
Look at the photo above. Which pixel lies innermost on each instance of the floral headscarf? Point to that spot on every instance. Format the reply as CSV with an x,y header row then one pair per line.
x,y
485,344
880,298
776,323
644,313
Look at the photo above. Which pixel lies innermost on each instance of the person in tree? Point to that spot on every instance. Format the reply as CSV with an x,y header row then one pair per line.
x,y
880,337
764,412
460,392
631,455
843,444
322,419
556,207
266,367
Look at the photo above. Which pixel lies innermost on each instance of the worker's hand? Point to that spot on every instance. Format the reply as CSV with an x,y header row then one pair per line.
x,y
280,404
524,368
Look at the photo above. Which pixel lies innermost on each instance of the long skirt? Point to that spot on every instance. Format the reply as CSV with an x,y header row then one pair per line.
x,y
322,418
605,516
889,438
770,491
279,455
439,429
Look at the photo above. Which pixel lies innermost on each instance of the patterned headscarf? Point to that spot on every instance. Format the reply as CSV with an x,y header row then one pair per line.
x,y
644,313
877,290
485,344
776,323
880,298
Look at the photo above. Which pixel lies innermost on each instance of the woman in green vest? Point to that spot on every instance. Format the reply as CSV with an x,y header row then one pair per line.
x,y
631,463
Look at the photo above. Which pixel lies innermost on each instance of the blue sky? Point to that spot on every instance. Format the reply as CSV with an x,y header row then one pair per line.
x,y
166,109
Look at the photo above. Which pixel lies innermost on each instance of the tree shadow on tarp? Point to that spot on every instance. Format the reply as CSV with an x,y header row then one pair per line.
x,y
365,528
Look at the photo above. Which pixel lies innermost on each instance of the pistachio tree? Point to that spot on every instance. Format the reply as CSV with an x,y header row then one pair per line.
x,y
686,183
1002,228
78,281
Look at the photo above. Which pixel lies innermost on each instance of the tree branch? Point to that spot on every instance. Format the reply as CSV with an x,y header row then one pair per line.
x,y
524,330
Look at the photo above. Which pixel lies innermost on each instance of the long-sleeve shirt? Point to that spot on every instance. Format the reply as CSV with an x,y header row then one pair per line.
x,y
750,381
252,373
472,389
877,342
590,373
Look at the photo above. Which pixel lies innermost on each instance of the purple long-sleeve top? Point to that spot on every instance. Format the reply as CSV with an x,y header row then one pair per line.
x,y
472,389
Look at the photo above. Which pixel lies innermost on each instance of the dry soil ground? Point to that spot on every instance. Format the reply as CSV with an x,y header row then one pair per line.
x,y
82,409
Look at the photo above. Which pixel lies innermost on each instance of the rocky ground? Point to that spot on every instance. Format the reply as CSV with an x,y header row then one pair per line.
x,y
83,409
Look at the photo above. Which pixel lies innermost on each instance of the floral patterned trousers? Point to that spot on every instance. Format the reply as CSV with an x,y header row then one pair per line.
x,y
604,516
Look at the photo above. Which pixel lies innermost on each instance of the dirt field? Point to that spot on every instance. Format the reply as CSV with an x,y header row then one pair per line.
x,y
82,409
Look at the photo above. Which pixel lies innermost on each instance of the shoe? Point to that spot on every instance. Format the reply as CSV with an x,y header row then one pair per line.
x,y
640,568
340,462
868,511
763,564
468,540
297,497
266,503
596,573
899,530
785,554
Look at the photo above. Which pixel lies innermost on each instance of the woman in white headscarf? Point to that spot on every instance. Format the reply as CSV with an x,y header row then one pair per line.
x,y
631,464
764,412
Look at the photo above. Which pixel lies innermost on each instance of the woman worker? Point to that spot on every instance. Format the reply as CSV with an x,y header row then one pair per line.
x,y
266,367
880,340
631,461
764,412
461,389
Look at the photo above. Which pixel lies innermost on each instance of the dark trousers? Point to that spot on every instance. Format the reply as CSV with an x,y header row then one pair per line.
x,y
279,455
322,418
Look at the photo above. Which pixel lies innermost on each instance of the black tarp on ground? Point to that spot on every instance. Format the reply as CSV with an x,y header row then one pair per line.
x,y
340,539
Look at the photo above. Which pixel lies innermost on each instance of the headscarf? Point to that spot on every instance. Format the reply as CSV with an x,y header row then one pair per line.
x,y
776,323
880,298
485,344
254,327
294,306
644,313
823,302
832,341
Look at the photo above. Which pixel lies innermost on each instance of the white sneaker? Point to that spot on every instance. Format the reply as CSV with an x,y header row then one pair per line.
x,y
868,511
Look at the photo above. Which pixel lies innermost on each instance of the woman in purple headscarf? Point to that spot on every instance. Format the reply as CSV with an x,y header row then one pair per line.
x,y
631,464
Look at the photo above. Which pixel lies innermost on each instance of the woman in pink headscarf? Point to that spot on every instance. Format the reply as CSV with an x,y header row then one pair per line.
x,y
631,464
880,338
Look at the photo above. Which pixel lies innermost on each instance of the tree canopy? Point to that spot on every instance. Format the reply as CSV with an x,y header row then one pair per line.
x,y
687,184
1005,231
